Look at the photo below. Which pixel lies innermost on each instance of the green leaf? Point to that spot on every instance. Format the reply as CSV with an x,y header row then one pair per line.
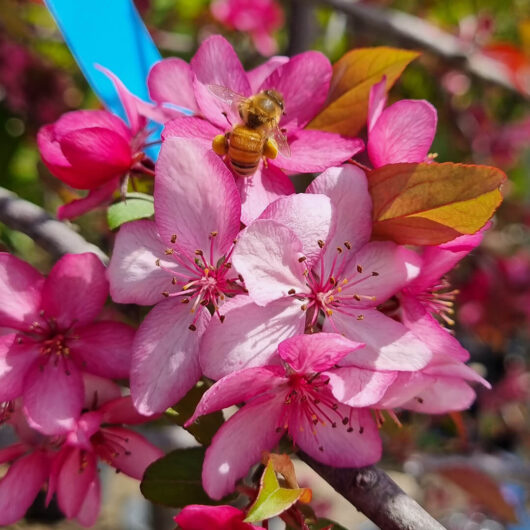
x,y
272,499
205,427
135,206
175,479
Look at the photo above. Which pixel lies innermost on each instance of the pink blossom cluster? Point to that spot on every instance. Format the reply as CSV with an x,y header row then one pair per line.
x,y
282,298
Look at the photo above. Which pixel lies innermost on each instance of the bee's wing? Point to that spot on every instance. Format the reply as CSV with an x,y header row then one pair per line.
x,y
281,141
227,95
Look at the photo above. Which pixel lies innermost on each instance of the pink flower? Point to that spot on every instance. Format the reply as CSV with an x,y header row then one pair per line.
x,y
199,517
259,18
320,406
308,257
53,339
94,149
174,81
403,132
181,262
68,462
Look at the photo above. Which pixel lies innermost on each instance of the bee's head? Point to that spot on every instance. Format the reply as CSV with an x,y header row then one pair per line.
x,y
276,97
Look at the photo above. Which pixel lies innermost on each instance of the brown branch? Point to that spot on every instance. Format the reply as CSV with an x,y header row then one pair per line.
x,y
412,31
376,495
302,26
52,235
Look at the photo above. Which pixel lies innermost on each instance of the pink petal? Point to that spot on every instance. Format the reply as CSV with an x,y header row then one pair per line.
x,y
195,195
336,446
121,410
376,103
96,155
406,386
249,335
98,390
191,127
446,366
165,363
264,43
52,154
231,455
313,151
403,133
426,328
75,290
302,100
15,362
133,275
171,81
347,188
442,395
128,100
439,260
96,197
13,452
267,255
359,388
265,186
389,344
74,481
89,512
104,348
199,517
238,387
53,396
315,353
135,454
394,267
216,63
308,216
20,485
85,119
257,75
20,292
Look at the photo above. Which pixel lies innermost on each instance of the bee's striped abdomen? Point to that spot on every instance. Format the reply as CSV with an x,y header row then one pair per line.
x,y
245,150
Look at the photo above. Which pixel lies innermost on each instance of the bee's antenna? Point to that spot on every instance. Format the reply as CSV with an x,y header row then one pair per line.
x,y
226,116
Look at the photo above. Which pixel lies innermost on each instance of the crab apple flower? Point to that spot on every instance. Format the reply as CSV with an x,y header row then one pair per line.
x,y
94,149
258,18
303,81
98,434
402,132
53,337
297,271
429,296
181,262
199,517
320,406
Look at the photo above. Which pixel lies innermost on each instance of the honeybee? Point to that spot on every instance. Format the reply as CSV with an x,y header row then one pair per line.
x,y
258,135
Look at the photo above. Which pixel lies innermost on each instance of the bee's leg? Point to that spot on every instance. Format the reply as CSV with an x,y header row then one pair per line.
x,y
220,144
270,149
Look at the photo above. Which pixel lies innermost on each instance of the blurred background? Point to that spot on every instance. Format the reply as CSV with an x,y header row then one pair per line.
x,y
470,470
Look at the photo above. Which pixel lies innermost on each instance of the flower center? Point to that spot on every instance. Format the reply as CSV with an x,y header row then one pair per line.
x,y
201,279
110,445
309,403
439,300
334,290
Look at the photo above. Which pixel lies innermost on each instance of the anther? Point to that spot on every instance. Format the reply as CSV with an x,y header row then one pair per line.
x,y
157,262
359,269
173,238
321,243
332,280
192,327
361,429
321,449
345,421
222,318
214,233
168,251
291,291
360,317
204,302
419,400
347,244
349,429
302,259
303,307
375,273
198,252
165,293
186,301
357,297
174,281
339,250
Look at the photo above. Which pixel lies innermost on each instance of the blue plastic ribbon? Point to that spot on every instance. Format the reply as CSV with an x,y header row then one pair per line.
x,y
112,34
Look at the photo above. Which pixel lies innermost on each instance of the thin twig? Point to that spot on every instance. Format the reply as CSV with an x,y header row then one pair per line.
x,y
412,31
52,235
302,26
376,495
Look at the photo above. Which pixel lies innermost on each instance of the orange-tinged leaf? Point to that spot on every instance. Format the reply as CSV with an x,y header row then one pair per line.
x,y
353,76
272,499
483,489
282,464
430,204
